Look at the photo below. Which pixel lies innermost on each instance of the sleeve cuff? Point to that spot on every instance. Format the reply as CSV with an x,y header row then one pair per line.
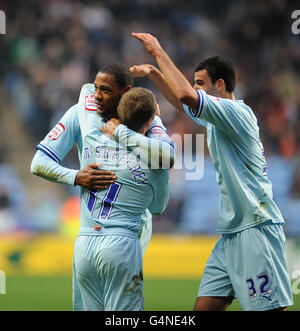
x,y
73,177
197,112
117,131
158,122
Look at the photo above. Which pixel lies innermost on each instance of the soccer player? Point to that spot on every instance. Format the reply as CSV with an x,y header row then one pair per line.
x,y
107,254
249,260
100,103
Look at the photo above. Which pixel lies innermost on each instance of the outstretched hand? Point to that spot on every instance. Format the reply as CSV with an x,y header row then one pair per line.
x,y
141,70
150,42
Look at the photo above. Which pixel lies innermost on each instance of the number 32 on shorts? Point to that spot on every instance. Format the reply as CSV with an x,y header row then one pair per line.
x,y
260,284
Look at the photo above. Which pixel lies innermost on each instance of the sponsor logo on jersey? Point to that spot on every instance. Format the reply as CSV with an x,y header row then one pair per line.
x,y
90,103
56,132
157,131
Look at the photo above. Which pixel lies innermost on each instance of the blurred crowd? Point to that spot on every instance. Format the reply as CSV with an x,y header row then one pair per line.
x,y
52,47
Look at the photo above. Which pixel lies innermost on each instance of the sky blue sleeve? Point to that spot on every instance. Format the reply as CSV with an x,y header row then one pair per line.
x,y
44,166
160,192
156,150
193,114
159,132
225,114
55,146
60,140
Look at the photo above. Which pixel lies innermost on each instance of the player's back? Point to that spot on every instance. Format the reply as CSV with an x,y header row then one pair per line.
x,y
134,190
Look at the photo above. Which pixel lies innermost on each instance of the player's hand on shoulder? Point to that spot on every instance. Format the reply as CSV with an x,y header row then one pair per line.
x,y
157,113
91,177
110,127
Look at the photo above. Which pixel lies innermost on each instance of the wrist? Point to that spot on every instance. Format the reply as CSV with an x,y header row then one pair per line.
x,y
76,179
159,53
117,131
153,71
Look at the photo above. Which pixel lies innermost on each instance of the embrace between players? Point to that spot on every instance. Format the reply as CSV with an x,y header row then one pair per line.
x,y
125,155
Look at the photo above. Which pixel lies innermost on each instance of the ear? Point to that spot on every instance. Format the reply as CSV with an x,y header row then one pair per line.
x,y
147,126
220,84
157,110
126,89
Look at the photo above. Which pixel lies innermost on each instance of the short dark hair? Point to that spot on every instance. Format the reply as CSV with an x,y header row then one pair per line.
x,y
136,107
219,67
121,73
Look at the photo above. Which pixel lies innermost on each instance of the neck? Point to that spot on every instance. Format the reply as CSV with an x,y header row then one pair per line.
x,y
227,95
107,116
142,131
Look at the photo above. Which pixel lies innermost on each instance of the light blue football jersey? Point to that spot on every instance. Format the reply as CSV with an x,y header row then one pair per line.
x,y
108,208
137,187
246,197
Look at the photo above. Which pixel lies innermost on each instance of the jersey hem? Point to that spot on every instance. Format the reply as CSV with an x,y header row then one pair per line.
x,y
260,308
107,231
273,306
252,225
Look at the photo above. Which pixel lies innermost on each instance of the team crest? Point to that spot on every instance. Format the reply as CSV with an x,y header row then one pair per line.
x,y
56,132
90,103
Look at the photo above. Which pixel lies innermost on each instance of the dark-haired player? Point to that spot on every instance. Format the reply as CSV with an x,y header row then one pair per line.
x,y
249,260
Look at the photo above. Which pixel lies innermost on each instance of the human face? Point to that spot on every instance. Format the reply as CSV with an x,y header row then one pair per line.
x,y
202,81
107,95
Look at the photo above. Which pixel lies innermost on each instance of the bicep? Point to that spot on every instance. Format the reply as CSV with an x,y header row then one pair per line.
x,y
61,139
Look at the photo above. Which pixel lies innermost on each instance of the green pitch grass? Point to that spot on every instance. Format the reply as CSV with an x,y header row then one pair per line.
x,y
55,293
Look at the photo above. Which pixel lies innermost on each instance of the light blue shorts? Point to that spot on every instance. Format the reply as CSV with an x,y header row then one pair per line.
x,y
251,266
108,273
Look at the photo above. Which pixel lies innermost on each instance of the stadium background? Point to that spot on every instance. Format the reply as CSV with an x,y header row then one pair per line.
x,y
51,48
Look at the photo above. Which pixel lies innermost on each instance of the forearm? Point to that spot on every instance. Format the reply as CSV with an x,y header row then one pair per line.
x,y
158,154
158,79
43,166
176,81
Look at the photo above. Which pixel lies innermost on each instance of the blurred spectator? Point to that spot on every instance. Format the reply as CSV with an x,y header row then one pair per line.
x,y
13,207
8,220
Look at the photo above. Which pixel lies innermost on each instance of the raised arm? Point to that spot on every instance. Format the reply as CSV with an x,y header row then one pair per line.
x,y
178,84
158,80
